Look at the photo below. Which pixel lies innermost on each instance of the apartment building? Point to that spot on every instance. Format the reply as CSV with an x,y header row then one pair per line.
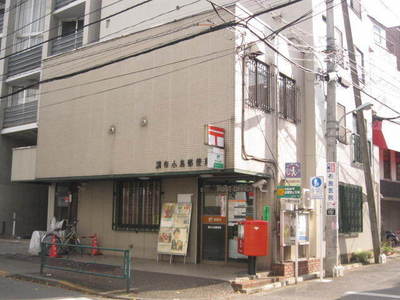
x,y
22,204
118,140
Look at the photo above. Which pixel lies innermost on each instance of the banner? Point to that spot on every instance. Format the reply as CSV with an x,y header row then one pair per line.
x,y
173,237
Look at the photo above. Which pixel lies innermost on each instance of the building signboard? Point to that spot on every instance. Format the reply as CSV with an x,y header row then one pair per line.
x,y
216,158
215,136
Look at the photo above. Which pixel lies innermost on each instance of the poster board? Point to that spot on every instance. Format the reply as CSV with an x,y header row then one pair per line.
x,y
173,237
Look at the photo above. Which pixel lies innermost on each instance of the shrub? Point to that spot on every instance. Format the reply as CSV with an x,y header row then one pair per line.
x,y
387,249
361,257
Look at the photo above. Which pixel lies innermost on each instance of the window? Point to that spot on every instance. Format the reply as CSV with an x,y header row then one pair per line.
x,y
259,85
69,27
342,131
339,46
397,155
360,64
29,23
351,208
26,96
387,165
356,7
379,36
137,205
287,98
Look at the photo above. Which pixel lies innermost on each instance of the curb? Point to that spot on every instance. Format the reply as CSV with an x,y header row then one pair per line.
x,y
278,284
64,284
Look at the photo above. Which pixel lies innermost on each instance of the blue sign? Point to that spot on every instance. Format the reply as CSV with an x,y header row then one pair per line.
x,y
316,182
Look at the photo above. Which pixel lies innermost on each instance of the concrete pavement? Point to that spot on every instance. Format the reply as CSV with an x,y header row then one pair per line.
x,y
373,282
22,290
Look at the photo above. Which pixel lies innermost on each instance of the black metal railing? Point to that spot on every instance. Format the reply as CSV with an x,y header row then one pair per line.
x,y
20,114
67,43
25,61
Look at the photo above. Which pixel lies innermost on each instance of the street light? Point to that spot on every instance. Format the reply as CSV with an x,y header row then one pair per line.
x,y
365,106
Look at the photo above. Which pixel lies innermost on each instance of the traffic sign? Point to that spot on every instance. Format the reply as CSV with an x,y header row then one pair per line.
x,y
317,187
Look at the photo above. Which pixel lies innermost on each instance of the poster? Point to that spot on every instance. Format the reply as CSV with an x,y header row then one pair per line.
x,y
173,237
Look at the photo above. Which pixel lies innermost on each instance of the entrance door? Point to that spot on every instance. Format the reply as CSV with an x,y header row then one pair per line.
x,y
213,224
66,202
223,207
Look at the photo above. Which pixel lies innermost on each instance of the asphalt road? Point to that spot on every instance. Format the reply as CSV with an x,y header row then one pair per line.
x,y
374,282
11,289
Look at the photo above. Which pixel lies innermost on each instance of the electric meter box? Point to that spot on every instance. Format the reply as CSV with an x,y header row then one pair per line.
x,y
253,239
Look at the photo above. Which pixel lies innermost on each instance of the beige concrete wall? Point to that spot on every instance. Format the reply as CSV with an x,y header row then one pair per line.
x,y
95,208
177,100
148,15
23,164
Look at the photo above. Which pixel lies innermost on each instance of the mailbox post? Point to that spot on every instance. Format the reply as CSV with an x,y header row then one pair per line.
x,y
253,241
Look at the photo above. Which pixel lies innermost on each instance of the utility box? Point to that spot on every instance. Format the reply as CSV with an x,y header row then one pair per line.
x,y
253,238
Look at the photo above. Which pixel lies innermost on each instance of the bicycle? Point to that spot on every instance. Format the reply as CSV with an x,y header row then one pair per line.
x,y
64,238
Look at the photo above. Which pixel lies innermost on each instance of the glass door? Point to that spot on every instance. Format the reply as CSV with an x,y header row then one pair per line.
x,y
213,223
223,207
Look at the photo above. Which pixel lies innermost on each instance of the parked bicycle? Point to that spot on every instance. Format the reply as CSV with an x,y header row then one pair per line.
x,y
65,234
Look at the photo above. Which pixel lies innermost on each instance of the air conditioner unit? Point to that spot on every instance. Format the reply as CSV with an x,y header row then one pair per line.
x,y
306,201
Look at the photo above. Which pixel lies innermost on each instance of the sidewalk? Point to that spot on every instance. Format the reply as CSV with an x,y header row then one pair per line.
x,y
151,280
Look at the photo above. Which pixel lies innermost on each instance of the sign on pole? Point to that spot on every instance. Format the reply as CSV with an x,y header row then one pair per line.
x,y
293,173
332,189
317,187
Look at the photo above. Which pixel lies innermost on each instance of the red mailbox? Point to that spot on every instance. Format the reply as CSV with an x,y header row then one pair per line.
x,y
253,238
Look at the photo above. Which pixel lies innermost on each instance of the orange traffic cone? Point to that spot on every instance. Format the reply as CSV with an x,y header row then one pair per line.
x,y
95,244
53,248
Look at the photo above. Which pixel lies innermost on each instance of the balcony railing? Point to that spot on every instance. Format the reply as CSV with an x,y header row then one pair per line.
x,y
25,61
62,3
67,43
1,20
20,114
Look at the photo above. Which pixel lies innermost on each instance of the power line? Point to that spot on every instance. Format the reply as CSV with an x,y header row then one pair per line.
x,y
138,81
86,25
55,27
149,50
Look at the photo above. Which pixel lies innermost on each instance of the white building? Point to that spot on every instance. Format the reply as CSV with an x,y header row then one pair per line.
x,y
123,138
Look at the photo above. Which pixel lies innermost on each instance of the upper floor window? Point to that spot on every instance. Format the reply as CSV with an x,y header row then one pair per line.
x,y
70,27
379,36
397,157
360,64
26,96
387,165
287,98
29,24
356,7
340,115
259,85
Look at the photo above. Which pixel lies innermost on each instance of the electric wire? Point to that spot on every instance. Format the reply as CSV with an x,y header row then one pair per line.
x,y
149,50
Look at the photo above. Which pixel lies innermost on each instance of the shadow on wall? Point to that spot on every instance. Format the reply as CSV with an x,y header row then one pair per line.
x,y
24,204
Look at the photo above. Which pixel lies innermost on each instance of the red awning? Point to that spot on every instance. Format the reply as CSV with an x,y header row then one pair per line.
x,y
386,135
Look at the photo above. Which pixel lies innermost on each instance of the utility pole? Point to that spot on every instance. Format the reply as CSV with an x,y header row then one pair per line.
x,y
363,135
331,221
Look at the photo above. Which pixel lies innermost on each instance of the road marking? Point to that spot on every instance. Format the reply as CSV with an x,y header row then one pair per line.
x,y
374,295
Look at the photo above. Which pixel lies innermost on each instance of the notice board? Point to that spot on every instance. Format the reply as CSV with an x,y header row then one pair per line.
x,y
173,237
